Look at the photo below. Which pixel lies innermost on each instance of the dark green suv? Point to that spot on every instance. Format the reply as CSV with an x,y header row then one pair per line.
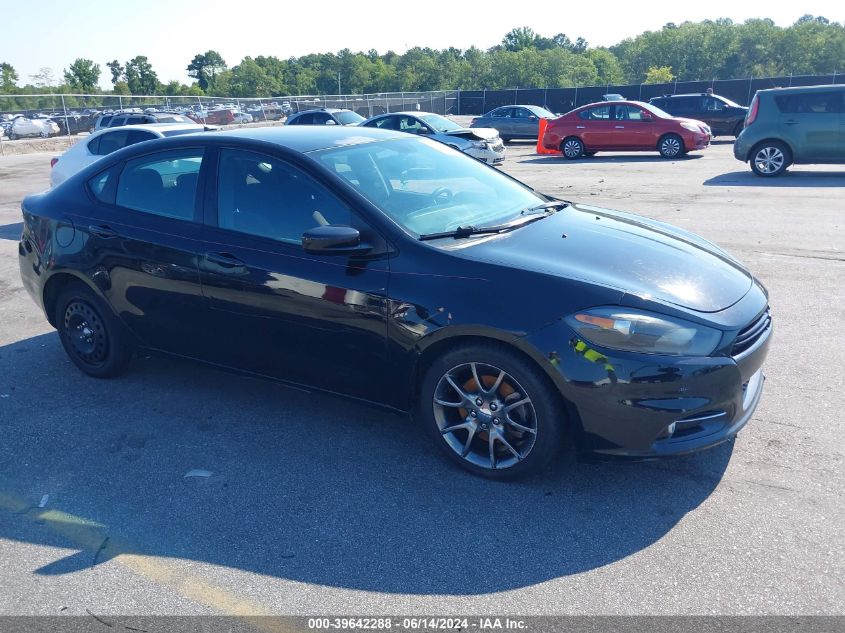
x,y
787,126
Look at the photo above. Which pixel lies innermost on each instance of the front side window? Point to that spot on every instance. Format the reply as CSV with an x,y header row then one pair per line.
x,y
164,183
264,196
426,187
384,123
410,124
502,113
628,113
304,119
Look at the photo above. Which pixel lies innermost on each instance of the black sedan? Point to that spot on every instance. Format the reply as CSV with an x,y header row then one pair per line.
x,y
393,269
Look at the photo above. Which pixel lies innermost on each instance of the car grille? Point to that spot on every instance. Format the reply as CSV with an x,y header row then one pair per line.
x,y
749,335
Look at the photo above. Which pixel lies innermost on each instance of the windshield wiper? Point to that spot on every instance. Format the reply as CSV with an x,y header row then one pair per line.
x,y
554,204
467,231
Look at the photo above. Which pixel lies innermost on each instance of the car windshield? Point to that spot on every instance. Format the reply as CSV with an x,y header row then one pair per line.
x,y
427,187
542,112
656,111
440,123
348,117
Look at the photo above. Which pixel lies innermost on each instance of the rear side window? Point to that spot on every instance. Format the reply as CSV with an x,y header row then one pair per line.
x,y
108,142
385,123
164,183
305,119
601,113
812,103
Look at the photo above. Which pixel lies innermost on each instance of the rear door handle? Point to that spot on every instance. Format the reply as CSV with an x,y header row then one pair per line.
x,y
101,230
226,260
792,122
620,127
580,127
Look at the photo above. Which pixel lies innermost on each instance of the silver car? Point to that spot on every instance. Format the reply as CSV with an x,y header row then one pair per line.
x,y
514,122
485,144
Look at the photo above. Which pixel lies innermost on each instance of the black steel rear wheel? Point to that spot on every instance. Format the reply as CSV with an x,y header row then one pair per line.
x,y
92,337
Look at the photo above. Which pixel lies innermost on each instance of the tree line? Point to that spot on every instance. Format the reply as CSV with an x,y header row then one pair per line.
x,y
719,49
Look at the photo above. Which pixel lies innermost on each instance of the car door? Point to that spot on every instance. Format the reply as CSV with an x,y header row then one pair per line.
x,y
810,122
275,309
140,239
389,122
501,119
596,128
718,115
633,128
525,123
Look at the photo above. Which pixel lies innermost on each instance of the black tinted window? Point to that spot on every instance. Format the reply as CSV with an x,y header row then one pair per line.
x,y
99,184
385,123
261,195
811,102
321,118
110,142
136,136
303,119
164,183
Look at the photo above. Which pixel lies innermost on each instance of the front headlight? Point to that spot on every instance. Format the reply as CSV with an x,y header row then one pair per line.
x,y
644,332
478,144
692,127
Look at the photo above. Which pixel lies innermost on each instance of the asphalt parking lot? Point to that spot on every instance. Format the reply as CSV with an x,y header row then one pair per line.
x,y
314,505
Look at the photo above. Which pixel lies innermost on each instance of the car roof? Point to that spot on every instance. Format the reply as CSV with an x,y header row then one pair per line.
x,y
794,89
323,110
613,103
160,127
307,138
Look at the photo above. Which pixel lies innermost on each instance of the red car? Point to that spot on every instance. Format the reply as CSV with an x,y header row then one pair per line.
x,y
622,126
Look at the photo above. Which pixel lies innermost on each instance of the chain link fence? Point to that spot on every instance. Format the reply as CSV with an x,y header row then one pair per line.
x,y
75,113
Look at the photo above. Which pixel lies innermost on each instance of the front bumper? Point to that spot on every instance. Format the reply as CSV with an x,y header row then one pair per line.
x,y
698,141
493,155
641,406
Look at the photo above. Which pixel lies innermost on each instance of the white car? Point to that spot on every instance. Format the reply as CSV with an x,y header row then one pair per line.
x,y
23,126
242,117
108,140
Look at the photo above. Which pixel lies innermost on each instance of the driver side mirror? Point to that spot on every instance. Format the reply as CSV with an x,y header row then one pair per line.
x,y
423,131
333,240
531,117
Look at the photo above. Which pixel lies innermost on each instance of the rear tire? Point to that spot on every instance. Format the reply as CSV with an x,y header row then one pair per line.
x,y
671,146
517,428
572,148
92,336
770,159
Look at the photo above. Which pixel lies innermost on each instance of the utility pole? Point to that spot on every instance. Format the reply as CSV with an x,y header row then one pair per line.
x,y
338,83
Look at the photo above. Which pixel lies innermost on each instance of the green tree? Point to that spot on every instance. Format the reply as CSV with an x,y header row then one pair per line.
x,y
140,76
659,75
117,71
8,77
43,78
204,67
83,75
519,38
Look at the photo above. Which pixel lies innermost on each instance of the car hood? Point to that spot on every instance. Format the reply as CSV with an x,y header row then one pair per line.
x,y
641,257
485,133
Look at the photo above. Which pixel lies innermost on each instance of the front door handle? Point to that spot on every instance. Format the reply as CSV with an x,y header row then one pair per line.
x,y
580,127
226,260
101,230
792,122
620,127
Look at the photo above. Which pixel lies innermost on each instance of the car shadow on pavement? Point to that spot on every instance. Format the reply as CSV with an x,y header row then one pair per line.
x,y
615,158
788,179
11,231
300,485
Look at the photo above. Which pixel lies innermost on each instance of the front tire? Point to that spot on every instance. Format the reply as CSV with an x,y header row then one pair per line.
x,y
671,146
770,159
491,411
92,337
572,148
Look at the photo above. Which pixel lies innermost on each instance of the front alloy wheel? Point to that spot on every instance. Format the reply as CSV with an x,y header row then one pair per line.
x,y
491,410
671,146
485,416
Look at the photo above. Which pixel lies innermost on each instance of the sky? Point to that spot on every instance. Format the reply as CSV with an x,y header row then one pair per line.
x,y
171,32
